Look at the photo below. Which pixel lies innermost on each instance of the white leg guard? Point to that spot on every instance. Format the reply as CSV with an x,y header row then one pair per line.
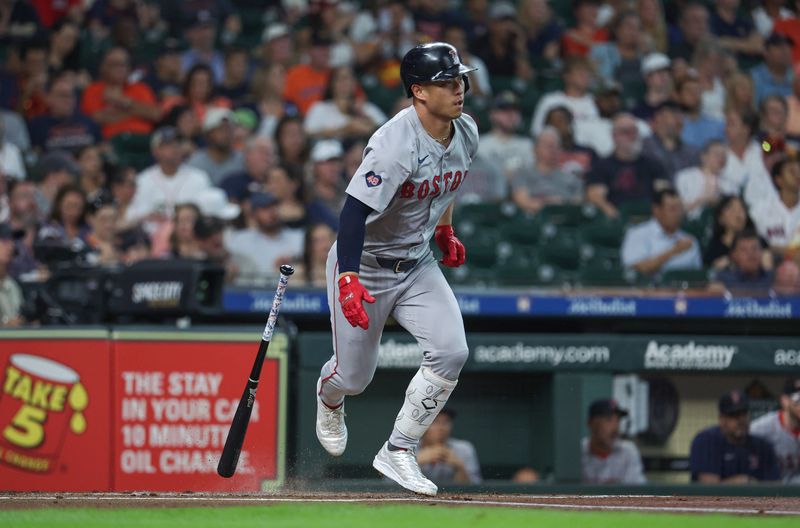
x,y
425,397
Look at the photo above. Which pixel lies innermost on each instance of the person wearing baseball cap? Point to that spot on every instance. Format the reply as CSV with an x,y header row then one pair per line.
x,y
727,453
781,428
657,75
605,457
444,459
10,292
774,75
219,158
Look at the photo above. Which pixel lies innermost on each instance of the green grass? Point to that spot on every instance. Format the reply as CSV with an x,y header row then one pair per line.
x,y
366,516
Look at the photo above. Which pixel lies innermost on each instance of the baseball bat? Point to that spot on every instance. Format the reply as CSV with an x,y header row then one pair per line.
x,y
233,444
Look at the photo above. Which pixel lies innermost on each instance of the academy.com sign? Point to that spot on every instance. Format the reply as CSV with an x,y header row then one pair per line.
x,y
544,354
688,356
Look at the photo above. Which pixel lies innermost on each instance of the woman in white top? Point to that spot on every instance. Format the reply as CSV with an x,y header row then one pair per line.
x,y
343,112
698,186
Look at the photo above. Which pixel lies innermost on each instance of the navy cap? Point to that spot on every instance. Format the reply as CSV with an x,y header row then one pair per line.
x,y
779,38
606,407
262,199
792,385
201,18
734,402
506,100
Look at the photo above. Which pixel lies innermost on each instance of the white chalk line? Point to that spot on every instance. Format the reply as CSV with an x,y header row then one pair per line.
x,y
470,502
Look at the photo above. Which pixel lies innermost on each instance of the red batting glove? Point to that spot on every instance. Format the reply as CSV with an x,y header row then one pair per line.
x,y
351,293
453,252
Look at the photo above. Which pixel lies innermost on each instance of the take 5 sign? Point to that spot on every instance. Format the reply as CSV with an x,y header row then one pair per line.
x,y
175,396
82,411
55,410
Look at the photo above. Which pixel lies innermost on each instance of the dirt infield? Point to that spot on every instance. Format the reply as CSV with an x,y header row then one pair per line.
x,y
635,503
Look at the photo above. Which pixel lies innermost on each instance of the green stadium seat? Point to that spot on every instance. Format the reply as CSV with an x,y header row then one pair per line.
x,y
132,150
603,233
600,275
570,215
635,212
683,279
563,252
524,230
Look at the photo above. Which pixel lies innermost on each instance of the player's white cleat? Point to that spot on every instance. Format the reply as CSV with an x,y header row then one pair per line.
x,y
401,466
331,429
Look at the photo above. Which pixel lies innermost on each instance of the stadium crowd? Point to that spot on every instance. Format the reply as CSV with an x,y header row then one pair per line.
x,y
226,130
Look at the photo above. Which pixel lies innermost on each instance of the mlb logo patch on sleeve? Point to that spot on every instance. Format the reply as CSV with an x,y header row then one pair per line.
x,y
373,180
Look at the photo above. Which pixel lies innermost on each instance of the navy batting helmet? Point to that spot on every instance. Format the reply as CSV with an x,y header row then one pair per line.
x,y
436,61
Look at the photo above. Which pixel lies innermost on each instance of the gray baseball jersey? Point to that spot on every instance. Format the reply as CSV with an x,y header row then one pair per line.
x,y
410,179
622,466
785,443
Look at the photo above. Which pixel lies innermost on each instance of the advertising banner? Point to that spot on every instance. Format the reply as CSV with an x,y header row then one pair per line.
x,y
55,410
175,395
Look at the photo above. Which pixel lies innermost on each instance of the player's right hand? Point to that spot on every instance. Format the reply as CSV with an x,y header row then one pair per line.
x,y
351,295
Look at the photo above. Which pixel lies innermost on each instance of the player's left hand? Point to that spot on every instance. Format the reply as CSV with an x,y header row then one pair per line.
x,y
453,252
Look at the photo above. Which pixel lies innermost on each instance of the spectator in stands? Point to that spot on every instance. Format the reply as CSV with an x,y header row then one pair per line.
x,y
730,218
575,97
626,174
53,171
777,218
727,453
479,83
773,117
277,46
694,29
23,220
201,33
164,76
780,428
169,182
117,105
326,195
134,245
744,160
657,76
735,32
67,221
182,242
63,127
11,162
790,26
503,48
32,78
575,159
445,459
235,84
543,29
259,157
305,83
605,457
292,143
579,40
659,244
210,234
101,217
654,25
596,133
621,57
787,278
745,274
698,128
768,13
92,176
708,62
318,241
218,159
342,113
16,130
793,105
698,186
10,292
122,188
268,87
189,128
774,76
258,251
198,92
545,183
63,50
288,188
740,93
503,147
665,144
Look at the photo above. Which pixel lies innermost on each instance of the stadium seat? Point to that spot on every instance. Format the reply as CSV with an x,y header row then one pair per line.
x,y
635,212
683,279
569,215
603,233
595,275
563,252
523,230
132,150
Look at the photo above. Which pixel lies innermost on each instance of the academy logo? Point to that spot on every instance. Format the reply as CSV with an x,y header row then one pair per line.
x,y
691,356
373,180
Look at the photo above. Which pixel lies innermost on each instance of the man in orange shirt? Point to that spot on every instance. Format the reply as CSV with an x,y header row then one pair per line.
x,y
117,105
305,83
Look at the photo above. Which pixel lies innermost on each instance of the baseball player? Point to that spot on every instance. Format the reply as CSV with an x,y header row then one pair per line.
x,y
781,428
381,264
